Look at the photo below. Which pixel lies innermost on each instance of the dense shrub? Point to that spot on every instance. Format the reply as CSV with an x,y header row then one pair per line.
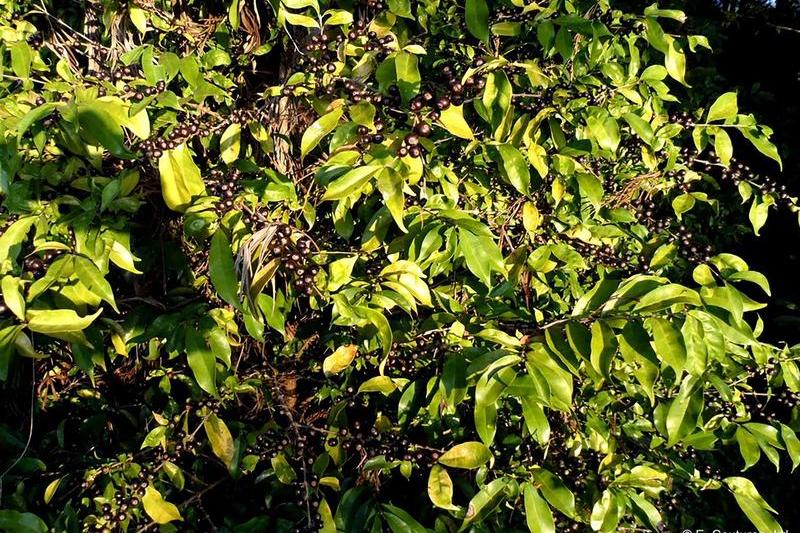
x,y
380,266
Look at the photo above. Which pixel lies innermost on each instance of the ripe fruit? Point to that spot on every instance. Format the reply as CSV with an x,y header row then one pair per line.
x,y
422,129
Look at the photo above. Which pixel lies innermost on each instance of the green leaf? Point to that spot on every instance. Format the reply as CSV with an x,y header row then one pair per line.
x,y
452,119
694,340
555,491
759,213
485,501
390,184
752,504
792,445
350,183
682,415
604,347
12,296
157,508
748,447
440,488
283,470
202,361
51,489
723,146
91,276
640,126
605,513
667,296
21,58
340,359
99,126
726,107
467,455
477,17
300,20
180,178
318,130
481,254
383,384
11,239
605,131
668,343
401,8
32,116
16,522
407,72
400,521
221,440
340,272
515,167
381,324
230,143
56,321
537,513
761,142
221,269
591,189
675,60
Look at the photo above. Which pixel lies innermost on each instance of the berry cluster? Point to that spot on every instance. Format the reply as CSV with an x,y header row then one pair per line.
x,y
379,45
125,73
689,248
683,119
186,130
392,446
693,251
37,265
737,173
377,5
308,496
142,92
225,186
366,137
113,517
269,444
295,255
512,14
607,255
411,143
408,359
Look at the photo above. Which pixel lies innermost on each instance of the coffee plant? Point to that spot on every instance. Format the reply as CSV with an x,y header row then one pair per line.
x,y
380,265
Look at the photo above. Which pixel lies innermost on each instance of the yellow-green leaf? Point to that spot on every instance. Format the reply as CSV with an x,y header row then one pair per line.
x,y
340,359
51,489
12,296
49,321
230,143
351,182
157,508
440,488
220,438
180,178
319,129
466,455
452,119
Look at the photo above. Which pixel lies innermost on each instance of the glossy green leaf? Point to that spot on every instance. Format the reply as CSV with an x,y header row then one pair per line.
x,y
537,513
157,508
221,440
466,455
319,129
477,17
230,143
221,269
